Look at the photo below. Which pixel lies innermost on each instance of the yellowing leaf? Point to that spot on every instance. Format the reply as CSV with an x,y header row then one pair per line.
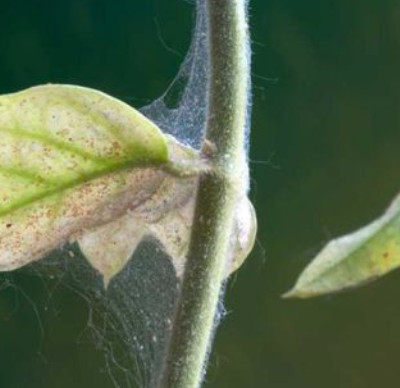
x,y
78,165
69,160
354,259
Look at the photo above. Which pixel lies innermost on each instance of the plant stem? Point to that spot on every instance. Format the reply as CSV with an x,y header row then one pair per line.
x,y
218,193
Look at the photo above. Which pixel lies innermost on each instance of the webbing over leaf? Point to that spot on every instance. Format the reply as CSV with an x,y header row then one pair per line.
x,y
76,164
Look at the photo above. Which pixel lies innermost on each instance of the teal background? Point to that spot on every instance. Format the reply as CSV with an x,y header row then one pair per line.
x,y
324,160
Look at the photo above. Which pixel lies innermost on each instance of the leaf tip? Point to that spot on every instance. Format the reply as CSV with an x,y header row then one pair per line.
x,y
289,294
300,292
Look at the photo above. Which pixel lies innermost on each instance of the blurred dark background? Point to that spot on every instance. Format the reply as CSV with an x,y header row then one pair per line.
x,y
324,161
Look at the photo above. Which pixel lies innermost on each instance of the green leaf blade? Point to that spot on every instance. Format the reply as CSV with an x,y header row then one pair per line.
x,y
71,158
355,259
65,135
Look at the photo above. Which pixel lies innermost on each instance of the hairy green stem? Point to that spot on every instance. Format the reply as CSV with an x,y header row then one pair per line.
x,y
217,196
